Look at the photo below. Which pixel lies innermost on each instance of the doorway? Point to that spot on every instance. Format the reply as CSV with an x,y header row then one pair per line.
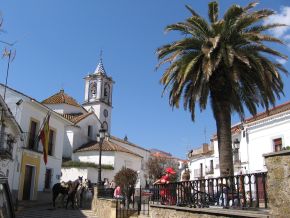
x,y
28,183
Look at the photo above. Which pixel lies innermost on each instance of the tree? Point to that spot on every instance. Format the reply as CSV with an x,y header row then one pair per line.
x,y
126,178
225,62
156,166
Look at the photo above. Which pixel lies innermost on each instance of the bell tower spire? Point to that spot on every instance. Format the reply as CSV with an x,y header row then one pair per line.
x,y
98,94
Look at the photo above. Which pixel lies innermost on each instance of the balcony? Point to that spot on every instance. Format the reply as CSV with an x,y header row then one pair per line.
x,y
198,174
209,171
6,145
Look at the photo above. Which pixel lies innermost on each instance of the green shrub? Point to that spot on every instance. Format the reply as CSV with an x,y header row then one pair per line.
x,y
78,164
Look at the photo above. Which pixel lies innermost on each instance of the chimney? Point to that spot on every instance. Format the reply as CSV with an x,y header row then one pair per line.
x,y
204,147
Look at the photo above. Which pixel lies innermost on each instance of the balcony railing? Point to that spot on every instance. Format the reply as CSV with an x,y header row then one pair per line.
x,y
209,171
6,145
240,191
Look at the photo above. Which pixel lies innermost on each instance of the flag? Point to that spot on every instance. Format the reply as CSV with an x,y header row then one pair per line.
x,y
44,137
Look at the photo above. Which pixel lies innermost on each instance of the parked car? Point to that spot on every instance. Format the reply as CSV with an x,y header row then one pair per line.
x,y
6,205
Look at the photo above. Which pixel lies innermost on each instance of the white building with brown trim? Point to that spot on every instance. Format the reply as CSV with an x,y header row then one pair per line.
x,y
264,133
32,178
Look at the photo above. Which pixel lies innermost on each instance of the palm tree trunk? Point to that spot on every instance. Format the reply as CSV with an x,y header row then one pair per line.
x,y
222,114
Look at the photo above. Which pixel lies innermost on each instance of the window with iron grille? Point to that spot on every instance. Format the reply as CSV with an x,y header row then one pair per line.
x,y
277,144
236,155
51,142
90,131
32,134
211,166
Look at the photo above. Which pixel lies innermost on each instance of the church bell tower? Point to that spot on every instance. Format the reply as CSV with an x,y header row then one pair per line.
x,y
98,95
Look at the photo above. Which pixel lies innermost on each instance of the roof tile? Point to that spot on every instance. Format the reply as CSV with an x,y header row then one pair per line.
x,y
106,146
77,117
61,98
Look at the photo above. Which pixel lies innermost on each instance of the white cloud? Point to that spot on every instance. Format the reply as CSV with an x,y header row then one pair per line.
x,y
283,17
281,61
287,37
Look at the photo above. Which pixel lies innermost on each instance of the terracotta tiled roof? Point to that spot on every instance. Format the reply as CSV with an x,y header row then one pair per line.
x,y
275,110
106,146
75,118
60,98
162,155
128,143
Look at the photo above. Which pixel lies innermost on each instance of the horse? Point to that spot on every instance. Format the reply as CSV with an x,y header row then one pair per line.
x,y
73,187
84,194
66,189
59,188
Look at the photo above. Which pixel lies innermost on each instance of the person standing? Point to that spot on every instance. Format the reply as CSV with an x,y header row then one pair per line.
x,y
166,190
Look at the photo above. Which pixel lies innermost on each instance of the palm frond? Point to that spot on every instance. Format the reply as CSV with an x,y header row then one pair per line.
x,y
213,11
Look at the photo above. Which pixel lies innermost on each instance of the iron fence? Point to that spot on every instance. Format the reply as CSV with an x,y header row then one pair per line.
x,y
240,191
134,202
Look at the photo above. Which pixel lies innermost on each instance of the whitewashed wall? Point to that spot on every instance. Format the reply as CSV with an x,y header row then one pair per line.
x,y
260,137
65,108
108,157
81,133
88,173
256,139
116,159
23,113
137,150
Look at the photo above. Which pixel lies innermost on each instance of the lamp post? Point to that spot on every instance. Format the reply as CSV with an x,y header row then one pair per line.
x,y
236,150
236,144
100,139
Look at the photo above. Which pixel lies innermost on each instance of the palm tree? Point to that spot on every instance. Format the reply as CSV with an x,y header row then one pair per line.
x,y
224,61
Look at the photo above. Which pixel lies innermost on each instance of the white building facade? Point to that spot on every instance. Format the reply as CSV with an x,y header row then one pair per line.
x,y
264,133
33,177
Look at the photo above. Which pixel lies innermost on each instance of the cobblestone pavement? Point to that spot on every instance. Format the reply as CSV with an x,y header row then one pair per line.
x,y
49,212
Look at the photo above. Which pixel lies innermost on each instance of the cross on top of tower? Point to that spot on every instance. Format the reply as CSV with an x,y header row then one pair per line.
x,y
100,68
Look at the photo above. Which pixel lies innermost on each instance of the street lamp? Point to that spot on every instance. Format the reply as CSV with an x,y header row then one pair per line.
x,y
236,151
100,138
236,144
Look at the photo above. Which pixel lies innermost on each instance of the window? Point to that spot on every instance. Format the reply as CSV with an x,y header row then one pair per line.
x,y
105,125
107,92
93,88
51,142
277,144
89,131
32,134
47,181
211,166
201,170
236,155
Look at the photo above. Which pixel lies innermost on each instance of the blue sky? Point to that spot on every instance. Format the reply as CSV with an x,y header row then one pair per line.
x,y
59,42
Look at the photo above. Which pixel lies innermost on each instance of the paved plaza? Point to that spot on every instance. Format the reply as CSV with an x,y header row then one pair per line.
x,y
46,211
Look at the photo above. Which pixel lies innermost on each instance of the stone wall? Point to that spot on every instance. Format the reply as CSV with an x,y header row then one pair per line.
x,y
160,211
278,183
104,207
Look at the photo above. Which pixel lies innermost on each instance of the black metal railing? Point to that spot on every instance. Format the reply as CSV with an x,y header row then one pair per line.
x,y
134,203
240,191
